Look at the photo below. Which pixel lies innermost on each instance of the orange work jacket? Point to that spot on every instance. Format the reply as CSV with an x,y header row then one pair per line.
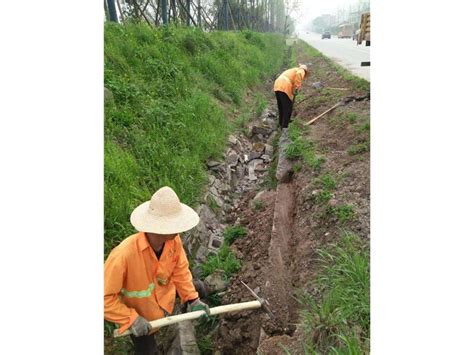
x,y
137,283
289,81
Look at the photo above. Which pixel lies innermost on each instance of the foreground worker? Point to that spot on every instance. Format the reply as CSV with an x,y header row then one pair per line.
x,y
143,273
286,88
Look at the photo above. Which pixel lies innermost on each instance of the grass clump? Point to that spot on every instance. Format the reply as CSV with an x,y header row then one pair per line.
x,y
328,182
314,161
364,127
337,319
172,88
358,148
323,196
203,329
205,344
231,234
301,148
343,213
258,205
271,180
225,260
261,104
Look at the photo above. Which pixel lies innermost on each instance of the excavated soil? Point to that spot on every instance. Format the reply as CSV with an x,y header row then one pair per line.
x,y
278,256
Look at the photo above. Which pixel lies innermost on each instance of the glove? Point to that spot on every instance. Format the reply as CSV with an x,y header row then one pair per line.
x,y
140,327
198,305
296,92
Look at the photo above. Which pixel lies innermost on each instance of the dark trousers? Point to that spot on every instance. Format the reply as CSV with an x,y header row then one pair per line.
x,y
145,345
285,107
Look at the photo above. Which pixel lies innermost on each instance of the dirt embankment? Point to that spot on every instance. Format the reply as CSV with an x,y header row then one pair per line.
x,y
278,255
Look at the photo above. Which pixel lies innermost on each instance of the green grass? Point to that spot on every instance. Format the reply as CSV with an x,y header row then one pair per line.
x,y
204,340
302,148
358,148
231,234
258,205
205,344
337,319
271,180
351,117
323,196
328,182
212,203
297,166
363,127
343,213
173,88
225,260
261,104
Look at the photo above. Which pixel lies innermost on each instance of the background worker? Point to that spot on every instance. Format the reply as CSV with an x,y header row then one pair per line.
x,y
143,273
286,88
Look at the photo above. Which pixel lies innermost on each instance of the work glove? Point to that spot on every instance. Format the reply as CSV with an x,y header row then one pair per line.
x,y
140,327
198,305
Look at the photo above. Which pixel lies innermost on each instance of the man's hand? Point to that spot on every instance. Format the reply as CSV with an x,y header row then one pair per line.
x,y
140,327
198,305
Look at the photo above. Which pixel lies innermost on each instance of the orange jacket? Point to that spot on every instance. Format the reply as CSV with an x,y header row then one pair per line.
x,y
289,81
136,283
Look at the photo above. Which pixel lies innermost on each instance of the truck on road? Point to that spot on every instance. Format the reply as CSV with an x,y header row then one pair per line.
x,y
346,30
364,34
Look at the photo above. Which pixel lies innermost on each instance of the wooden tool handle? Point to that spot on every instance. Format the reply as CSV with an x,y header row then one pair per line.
x,y
163,322
321,115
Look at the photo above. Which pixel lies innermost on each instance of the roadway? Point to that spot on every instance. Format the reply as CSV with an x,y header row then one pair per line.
x,y
343,51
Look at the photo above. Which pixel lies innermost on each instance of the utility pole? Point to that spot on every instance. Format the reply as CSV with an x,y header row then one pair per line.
x,y
226,15
199,13
164,11
112,12
188,8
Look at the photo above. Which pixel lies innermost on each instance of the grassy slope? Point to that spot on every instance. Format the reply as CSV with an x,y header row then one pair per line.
x,y
173,89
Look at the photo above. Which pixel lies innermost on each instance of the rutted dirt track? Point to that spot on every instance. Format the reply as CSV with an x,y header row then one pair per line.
x,y
278,255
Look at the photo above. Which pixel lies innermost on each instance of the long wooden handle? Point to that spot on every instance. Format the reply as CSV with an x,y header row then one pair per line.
x,y
321,115
163,322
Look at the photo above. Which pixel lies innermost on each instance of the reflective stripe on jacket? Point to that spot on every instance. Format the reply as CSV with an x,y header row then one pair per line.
x,y
289,81
136,283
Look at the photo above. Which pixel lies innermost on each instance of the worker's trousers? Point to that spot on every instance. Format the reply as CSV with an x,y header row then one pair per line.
x,y
145,345
285,107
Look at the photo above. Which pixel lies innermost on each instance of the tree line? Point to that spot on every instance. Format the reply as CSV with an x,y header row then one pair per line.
x,y
256,15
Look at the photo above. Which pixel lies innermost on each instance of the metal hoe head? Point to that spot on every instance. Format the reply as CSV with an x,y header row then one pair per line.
x,y
263,302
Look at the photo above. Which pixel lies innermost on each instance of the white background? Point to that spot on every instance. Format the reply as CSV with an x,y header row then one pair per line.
x,y
51,188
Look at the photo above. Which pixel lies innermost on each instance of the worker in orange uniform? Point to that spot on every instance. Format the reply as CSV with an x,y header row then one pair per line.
x,y
143,273
286,88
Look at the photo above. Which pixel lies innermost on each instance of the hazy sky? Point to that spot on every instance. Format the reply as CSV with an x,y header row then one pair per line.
x,y
313,8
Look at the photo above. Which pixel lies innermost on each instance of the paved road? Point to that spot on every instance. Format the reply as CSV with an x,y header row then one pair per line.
x,y
344,51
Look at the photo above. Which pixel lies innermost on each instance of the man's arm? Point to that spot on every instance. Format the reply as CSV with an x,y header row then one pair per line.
x,y
114,309
181,277
299,76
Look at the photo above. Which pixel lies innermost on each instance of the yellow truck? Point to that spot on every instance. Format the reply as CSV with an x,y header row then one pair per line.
x,y
364,34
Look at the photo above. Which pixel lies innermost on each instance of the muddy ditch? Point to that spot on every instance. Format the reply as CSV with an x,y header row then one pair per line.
x,y
286,225
278,255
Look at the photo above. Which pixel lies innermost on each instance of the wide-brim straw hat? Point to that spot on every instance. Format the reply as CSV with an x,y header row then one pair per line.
x,y
164,214
305,68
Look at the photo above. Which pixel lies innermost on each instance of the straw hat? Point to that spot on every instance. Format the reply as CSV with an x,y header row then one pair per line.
x,y
305,68
164,214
